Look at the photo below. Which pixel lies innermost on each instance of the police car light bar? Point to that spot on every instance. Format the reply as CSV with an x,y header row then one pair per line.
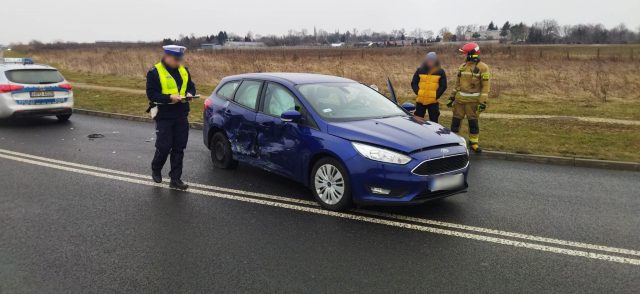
x,y
17,60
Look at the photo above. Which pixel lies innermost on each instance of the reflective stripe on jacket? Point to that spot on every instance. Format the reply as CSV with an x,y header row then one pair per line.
x,y
168,83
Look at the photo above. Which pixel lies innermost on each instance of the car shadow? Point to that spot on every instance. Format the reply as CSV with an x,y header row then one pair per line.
x,y
38,122
440,208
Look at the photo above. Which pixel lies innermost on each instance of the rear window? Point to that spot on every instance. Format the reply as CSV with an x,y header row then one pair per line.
x,y
228,89
34,76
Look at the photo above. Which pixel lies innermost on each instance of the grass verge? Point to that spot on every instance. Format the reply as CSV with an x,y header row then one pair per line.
x,y
561,137
617,109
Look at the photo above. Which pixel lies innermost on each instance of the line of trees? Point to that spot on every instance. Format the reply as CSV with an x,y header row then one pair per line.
x,y
551,32
543,32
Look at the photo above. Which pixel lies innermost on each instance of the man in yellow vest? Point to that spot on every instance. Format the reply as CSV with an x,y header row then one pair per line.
x,y
169,88
471,94
429,83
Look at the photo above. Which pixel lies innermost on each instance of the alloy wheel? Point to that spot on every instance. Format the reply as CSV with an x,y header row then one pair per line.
x,y
329,184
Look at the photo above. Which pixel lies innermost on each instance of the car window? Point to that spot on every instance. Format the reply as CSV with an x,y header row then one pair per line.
x,y
348,101
228,89
247,94
277,99
34,76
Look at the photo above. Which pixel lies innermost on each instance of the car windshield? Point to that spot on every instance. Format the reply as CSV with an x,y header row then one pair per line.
x,y
34,76
348,101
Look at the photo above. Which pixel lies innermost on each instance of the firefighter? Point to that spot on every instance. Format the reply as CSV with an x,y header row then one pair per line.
x,y
471,93
429,83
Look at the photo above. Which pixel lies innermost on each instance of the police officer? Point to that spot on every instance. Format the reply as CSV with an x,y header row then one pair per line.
x,y
429,83
169,86
470,96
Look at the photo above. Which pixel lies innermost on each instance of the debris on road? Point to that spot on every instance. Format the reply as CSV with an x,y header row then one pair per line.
x,y
95,136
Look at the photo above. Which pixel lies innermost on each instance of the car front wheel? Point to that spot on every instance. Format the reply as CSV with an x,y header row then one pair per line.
x,y
330,184
221,155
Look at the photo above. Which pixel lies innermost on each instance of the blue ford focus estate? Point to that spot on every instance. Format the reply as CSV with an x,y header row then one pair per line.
x,y
345,141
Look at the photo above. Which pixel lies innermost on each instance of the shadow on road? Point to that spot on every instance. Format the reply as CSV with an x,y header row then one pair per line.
x,y
38,122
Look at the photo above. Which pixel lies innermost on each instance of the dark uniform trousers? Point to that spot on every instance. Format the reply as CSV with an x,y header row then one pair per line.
x,y
171,139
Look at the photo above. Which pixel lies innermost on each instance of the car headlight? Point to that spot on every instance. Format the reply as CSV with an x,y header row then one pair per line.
x,y
380,154
462,141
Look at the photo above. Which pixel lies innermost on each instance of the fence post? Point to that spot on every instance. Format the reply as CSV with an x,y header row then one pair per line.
x,y
568,56
598,54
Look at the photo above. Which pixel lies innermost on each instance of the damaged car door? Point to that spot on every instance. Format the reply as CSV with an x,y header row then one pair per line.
x,y
240,117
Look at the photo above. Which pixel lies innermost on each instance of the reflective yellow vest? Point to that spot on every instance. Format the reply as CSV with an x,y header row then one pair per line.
x,y
168,83
428,87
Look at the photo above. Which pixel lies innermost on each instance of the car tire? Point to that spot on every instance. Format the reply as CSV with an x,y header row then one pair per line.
x,y
221,154
63,117
330,184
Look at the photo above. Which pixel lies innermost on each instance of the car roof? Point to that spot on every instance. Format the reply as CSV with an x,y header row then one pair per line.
x,y
293,78
12,66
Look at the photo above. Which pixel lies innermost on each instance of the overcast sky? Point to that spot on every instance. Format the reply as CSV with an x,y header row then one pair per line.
x,y
132,20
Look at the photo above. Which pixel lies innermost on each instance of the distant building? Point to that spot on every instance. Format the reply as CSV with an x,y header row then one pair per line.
x,y
210,46
235,44
363,44
482,35
398,43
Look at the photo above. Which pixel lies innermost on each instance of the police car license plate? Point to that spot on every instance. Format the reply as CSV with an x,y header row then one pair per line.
x,y
447,182
41,94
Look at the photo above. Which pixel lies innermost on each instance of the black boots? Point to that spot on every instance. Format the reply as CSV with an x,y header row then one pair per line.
x,y
178,184
156,176
174,184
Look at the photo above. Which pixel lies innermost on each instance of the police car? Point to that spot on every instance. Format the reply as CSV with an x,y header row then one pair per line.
x,y
33,90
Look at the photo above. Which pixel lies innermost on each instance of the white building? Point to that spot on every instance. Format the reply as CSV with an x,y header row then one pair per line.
x,y
235,44
483,35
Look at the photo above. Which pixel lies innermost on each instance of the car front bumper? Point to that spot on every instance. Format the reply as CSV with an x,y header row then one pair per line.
x,y
404,187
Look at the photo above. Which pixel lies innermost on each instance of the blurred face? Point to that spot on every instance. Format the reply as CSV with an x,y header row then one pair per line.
x,y
430,62
172,61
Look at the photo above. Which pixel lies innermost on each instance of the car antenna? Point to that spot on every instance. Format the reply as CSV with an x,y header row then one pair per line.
x,y
392,91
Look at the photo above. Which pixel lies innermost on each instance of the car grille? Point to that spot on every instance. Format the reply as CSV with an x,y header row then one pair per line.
x,y
442,165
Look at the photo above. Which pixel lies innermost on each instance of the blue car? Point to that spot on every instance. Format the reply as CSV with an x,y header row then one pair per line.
x,y
345,141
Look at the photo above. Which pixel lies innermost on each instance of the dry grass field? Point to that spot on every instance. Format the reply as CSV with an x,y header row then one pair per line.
x,y
599,81
594,81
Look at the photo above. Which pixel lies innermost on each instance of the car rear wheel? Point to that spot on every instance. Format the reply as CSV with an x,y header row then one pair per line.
x,y
221,155
330,184
63,117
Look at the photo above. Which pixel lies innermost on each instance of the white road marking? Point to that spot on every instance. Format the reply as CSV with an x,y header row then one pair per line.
x,y
362,211
319,211
141,176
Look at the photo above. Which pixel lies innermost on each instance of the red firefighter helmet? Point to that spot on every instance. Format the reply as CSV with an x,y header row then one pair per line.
x,y
470,49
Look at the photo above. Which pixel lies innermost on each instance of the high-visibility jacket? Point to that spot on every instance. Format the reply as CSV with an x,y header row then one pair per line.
x,y
168,83
473,83
429,84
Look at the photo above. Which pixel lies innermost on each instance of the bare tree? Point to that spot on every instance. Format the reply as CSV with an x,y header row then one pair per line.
x,y
460,30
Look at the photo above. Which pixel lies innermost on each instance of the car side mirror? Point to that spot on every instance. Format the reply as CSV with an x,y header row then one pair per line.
x,y
291,116
409,107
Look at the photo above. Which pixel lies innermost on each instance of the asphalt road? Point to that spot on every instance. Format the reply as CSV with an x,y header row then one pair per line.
x,y
81,215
